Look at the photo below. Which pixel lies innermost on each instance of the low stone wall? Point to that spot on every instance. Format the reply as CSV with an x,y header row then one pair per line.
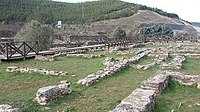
x,y
45,58
143,99
35,70
111,68
108,61
50,93
108,71
192,55
8,108
161,55
184,79
157,82
139,100
85,55
175,64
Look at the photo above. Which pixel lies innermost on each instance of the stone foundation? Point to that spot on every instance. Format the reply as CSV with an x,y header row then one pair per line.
x,y
111,68
143,99
157,82
175,64
45,58
84,55
50,93
34,70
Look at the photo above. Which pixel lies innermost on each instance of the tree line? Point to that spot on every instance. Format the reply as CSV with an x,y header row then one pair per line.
x,y
48,11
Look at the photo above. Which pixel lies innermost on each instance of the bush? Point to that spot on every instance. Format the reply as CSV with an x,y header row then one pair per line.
x,y
156,30
35,31
119,32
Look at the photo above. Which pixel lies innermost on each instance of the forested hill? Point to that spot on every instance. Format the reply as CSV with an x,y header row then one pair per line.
x,y
48,11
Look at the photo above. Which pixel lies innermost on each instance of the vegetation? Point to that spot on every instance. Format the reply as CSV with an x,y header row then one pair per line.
x,y
119,32
34,31
178,98
156,30
19,89
49,12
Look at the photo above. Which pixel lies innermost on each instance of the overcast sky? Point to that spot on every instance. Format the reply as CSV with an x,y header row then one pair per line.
x,y
186,9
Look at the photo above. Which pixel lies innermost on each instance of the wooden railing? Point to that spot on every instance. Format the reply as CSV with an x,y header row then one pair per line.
x,y
11,49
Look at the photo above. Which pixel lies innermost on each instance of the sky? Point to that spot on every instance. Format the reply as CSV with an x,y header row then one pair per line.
x,y
186,9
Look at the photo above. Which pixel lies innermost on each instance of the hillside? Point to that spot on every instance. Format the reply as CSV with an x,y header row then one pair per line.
x,y
196,24
142,17
48,11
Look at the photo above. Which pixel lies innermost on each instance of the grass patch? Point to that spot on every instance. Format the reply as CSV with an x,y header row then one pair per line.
x,y
19,89
146,60
191,66
175,94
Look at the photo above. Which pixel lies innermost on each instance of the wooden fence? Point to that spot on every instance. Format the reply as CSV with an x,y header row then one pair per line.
x,y
18,49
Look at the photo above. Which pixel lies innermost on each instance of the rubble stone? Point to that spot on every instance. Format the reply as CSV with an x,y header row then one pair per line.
x,y
35,70
8,108
49,93
175,64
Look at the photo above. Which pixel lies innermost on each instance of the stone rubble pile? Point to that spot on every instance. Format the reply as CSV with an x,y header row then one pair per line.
x,y
50,93
111,68
8,108
176,63
139,100
85,55
34,70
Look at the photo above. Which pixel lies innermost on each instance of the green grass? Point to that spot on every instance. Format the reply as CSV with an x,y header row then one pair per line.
x,y
192,66
175,95
146,60
19,89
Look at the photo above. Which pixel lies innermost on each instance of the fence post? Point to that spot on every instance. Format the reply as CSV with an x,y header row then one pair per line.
x,y
24,52
7,53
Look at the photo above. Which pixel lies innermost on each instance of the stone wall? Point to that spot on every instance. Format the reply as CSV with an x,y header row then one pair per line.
x,y
111,68
161,55
175,64
157,82
8,108
143,99
34,70
50,93
85,55
45,58
139,100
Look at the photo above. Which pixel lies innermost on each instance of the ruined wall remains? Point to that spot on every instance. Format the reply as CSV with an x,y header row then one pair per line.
x,y
34,70
50,93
